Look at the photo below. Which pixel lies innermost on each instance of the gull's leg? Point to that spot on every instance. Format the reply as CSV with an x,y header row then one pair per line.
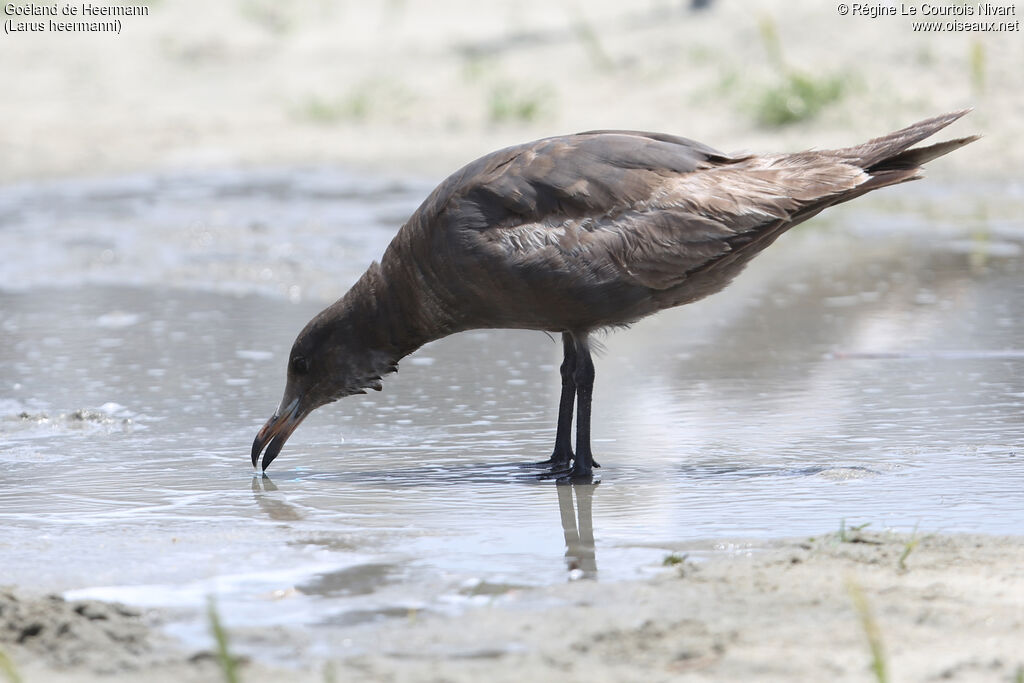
x,y
583,465
562,455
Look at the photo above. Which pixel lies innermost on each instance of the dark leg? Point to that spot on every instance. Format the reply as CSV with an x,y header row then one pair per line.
x,y
583,466
562,455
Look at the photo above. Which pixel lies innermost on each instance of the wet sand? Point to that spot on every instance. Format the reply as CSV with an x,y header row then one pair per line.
x,y
945,607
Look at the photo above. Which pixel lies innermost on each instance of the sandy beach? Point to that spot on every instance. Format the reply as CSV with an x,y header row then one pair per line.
x,y
939,607
414,90
422,89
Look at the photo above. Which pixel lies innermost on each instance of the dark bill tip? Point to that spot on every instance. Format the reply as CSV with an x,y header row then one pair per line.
x,y
257,446
275,432
276,444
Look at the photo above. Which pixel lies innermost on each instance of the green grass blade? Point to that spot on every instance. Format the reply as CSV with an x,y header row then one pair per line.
x,y
7,667
874,635
228,664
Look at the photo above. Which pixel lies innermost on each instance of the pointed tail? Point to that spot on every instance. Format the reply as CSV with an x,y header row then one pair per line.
x,y
893,152
891,159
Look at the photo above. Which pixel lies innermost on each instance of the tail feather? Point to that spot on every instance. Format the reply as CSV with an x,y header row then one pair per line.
x,y
879,151
916,156
884,178
886,160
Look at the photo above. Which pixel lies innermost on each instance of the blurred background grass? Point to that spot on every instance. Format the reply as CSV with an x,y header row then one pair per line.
x,y
423,87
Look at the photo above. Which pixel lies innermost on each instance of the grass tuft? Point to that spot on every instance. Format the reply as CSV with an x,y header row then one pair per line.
x,y
908,548
353,107
591,42
477,67
770,39
673,559
796,97
360,102
845,537
977,60
228,663
8,668
874,635
510,103
269,15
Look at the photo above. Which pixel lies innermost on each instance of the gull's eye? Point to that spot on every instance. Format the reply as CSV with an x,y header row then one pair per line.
x,y
299,365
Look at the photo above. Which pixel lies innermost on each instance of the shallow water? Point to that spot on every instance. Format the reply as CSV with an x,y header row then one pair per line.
x,y
868,368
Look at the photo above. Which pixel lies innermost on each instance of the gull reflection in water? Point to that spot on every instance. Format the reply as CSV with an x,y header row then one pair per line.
x,y
274,507
578,527
575,506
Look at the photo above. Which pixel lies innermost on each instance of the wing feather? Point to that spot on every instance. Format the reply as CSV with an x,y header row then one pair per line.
x,y
621,206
